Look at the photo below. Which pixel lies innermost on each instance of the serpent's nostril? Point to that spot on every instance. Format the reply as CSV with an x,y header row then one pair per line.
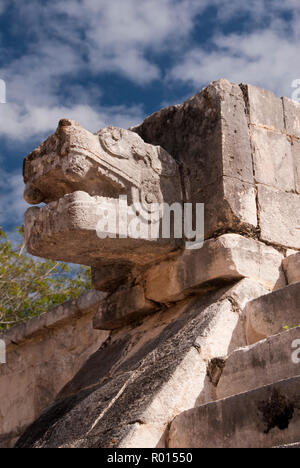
x,y
33,195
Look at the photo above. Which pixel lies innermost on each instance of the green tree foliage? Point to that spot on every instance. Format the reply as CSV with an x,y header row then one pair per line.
x,y
29,287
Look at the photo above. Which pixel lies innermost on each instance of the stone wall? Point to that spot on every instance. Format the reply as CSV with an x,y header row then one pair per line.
x,y
240,149
126,394
174,314
42,356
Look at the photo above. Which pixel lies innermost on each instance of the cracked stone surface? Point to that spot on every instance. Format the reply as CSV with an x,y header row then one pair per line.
x,y
80,177
269,314
291,266
263,363
173,311
262,418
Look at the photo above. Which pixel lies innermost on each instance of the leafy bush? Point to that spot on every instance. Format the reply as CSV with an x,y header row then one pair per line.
x,y
29,287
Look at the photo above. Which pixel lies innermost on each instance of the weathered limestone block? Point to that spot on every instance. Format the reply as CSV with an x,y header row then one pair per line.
x,y
273,160
236,150
292,117
264,108
279,217
67,230
269,314
228,258
262,418
276,155
133,386
296,156
291,266
80,177
123,307
214,116
264,363
229,204
113,161
209,135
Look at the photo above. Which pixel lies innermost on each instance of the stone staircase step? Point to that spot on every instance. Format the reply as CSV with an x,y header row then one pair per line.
x,y
227,258
263,363
266,417
289,446
269,314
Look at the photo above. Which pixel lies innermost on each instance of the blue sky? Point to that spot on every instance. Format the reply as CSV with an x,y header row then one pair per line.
x,y
113,62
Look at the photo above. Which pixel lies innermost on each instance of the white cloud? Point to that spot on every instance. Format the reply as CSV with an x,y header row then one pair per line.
x,y
12,205
266,53
20,122
266,57
70,38
121,32
126,37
